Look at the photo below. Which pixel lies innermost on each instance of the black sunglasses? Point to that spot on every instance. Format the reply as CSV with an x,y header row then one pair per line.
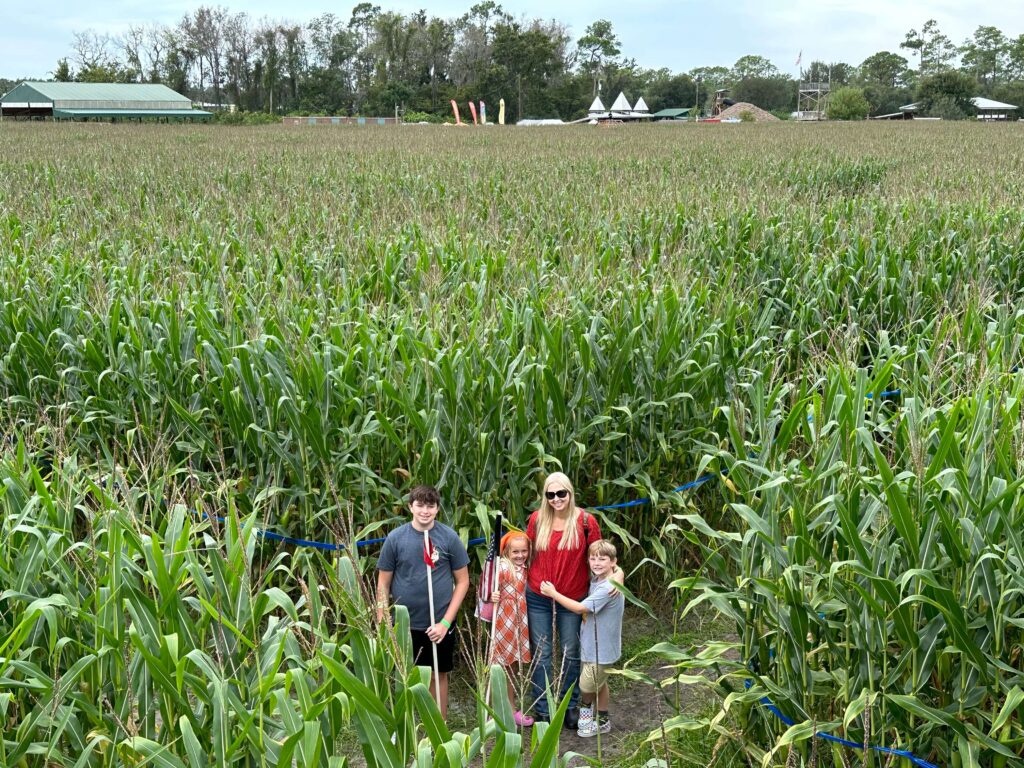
x,y
556,494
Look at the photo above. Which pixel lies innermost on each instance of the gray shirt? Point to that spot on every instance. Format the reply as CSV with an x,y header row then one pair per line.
x,y
605,606
402,554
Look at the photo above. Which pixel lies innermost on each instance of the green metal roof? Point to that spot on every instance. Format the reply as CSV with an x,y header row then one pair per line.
x,y
96,92
672,112
191,114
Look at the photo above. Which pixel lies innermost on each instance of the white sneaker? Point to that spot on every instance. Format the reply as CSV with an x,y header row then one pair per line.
x,y
587,726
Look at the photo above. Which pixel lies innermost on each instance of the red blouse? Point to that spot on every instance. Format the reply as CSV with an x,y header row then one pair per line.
x,y
567,569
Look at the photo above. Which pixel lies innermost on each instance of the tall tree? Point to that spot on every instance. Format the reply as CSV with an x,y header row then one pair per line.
x,y
883,68
934,49
239,46
753,66
984,55
597,50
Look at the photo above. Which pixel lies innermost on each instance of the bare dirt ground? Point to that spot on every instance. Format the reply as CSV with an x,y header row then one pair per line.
x,y
637,708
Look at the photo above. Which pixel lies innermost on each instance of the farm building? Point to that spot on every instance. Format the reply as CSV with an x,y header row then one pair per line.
x,y
98,101
672,114
988,109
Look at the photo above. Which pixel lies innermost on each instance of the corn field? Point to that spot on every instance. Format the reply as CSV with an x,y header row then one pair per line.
x,y
285,328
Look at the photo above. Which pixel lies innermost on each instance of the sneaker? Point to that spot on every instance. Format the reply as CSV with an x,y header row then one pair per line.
x,y
602,725
522,720
586,727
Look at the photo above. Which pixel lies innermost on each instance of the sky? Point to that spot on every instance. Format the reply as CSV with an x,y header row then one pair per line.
x,y
677,34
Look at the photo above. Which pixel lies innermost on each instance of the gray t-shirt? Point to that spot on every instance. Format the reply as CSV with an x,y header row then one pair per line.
x,y
402,554
605,606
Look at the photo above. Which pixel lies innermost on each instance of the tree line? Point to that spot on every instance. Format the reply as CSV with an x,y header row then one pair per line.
x,y
376,61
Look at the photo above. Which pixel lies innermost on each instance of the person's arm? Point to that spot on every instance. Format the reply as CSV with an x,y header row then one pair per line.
x,y
548,590
383,592
437,632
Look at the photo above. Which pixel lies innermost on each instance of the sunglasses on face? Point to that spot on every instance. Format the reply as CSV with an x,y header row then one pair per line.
x,y
556,494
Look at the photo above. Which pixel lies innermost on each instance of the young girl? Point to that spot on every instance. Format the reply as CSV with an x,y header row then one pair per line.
x,y
511,632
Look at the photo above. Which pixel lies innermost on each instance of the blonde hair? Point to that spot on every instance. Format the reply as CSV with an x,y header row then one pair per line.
x,y
546,516
602,548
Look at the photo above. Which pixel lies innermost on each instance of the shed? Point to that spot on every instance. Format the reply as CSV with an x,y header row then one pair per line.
x,y
988,109
98,101
673,114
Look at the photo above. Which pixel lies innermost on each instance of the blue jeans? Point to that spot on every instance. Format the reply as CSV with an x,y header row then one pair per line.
x,y
566,625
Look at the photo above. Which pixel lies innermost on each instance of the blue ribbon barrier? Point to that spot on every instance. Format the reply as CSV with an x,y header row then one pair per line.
x,y
919,762
321,545
789,722
327,547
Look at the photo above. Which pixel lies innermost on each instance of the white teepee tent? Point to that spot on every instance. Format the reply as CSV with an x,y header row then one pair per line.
x,y
620,104
597,106
641,106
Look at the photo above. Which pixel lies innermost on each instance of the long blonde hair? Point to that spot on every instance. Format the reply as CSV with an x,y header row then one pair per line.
x,y
546,516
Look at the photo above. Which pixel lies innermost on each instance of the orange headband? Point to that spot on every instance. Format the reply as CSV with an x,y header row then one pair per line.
x,y
512,535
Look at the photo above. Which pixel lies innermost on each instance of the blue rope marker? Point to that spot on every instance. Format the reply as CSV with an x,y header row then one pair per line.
x,y
789,722
321,545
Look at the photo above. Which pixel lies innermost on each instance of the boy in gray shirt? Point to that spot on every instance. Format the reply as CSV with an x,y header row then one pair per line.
x,y
600,636
402,575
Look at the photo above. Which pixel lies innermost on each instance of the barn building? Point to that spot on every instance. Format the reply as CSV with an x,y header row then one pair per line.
x,y
99,101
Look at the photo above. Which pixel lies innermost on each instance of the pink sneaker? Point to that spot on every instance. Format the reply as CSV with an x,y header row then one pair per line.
x,y
522,720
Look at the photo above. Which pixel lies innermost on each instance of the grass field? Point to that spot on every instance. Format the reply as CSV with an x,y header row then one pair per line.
x,y
286,327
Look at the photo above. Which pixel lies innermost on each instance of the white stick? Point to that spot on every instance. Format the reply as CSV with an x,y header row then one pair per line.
x,y
428,552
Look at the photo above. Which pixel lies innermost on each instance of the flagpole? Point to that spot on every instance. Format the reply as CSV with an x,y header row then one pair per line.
x,y
428,553
494,611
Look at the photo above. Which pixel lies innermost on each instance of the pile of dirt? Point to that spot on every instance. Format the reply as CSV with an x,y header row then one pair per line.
x,y
737,110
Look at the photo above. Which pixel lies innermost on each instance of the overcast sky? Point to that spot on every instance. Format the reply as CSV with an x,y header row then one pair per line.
x,y
678,34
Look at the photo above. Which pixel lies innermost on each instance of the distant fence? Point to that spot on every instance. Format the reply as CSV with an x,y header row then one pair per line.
x,y
339,121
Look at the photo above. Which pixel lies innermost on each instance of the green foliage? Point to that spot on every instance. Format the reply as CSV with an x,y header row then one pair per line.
x,y
848,104
768,93
291,331
426,117
947,95
225,117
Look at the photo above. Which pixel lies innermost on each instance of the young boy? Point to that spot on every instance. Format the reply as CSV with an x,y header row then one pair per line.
x,y
600,636
402,575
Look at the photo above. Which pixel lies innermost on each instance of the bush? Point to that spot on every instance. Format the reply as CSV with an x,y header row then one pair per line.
x,y
246,118
746,116
848,104
946,95
412,116
946,108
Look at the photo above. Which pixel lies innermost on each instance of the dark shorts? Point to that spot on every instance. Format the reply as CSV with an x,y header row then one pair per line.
x,y
422,656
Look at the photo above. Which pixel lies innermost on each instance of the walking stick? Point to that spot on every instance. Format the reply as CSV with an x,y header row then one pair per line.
x,y
429,560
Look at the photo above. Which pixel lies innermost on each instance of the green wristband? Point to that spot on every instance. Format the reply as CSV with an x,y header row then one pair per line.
x,y
446,624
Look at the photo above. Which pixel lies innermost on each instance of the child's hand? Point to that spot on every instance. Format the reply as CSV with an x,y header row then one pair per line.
x,y
495,595
548,589
618,575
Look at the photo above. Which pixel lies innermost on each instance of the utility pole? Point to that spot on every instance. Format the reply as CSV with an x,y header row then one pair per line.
x,y
696,101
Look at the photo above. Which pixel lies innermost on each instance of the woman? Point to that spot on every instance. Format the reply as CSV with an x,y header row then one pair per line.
x,y
560,532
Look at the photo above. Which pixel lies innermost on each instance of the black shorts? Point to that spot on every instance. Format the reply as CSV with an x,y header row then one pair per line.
x,y
422,656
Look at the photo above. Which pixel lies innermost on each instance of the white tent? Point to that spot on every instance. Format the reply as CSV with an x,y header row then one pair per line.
x,y
597,106
620,104
641,106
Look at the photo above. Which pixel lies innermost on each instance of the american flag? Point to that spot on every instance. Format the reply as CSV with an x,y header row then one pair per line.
x,y
487,582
